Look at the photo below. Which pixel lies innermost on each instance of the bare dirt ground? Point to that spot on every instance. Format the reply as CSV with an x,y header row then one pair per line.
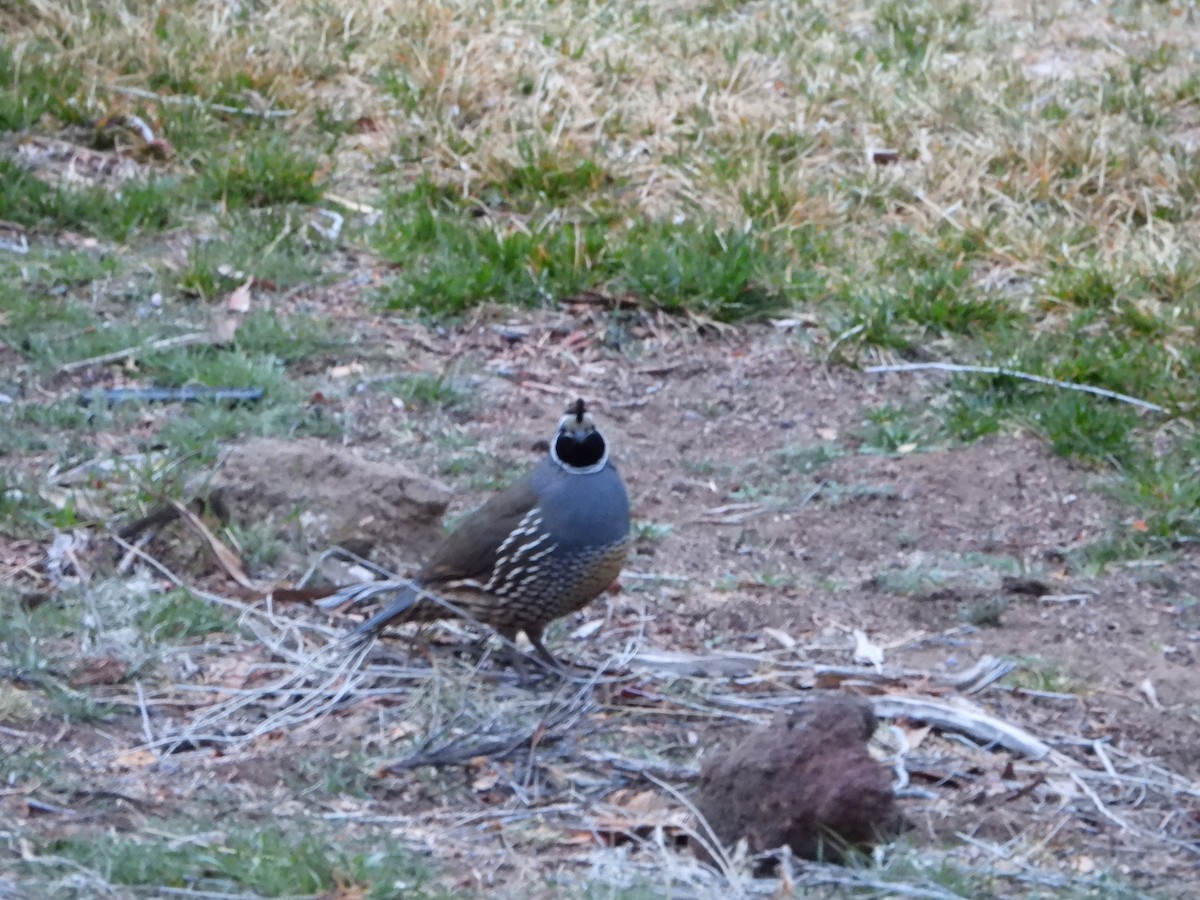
x,y
769,535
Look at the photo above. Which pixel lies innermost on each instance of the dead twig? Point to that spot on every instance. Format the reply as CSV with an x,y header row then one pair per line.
x,y
181,340
547,731
184,100
1023,376
963,719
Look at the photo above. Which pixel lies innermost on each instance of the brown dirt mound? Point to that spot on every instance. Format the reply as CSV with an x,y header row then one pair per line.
x,y
806,782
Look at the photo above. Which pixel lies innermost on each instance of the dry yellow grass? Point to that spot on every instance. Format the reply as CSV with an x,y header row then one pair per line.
x,y
692,102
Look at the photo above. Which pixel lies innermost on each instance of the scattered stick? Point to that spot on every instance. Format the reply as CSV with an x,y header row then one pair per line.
x,y
182,340
305,672
963,719
196,101
458,752
1024,376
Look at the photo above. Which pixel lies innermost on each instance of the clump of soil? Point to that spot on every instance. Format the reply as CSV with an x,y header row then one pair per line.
x,y
313,495
337,496
806,782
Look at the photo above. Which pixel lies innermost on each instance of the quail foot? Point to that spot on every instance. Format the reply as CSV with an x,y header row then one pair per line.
x,y
542,548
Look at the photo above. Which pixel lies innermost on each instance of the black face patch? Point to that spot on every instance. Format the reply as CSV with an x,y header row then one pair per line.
x,y
577,451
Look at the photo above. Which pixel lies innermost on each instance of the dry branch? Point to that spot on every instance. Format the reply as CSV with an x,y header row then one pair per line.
x,y
1023,376
965,719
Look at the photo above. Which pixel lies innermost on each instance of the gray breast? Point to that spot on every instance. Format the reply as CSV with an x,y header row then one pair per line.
x,y
582,512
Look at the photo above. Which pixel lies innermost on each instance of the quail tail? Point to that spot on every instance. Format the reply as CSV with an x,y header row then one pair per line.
x,y
406,601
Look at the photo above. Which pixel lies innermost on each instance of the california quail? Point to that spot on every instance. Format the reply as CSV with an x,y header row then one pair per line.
x,y
543,548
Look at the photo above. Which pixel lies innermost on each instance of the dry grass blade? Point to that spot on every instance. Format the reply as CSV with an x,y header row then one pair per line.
x,y
229,560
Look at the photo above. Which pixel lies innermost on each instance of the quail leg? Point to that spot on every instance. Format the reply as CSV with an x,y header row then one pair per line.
x,y
516,659
545,657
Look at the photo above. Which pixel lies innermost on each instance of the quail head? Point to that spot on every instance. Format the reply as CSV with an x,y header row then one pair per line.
x,y
543,548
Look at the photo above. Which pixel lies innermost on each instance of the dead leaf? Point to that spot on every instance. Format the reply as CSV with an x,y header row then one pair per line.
x,y
866,653
354,368
1151,695
100,670
485,781
223,330
224,327
239,299
135,759
638,813
914,736
782,638
587,629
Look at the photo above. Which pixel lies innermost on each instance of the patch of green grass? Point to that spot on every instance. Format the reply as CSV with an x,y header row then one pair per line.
x,y
34,85
1087,287
47,272
63,426
545,179
22,511
271,245
288,337
726,275
987,612
273,859
923,288
345,773
202,428
34,655
805,459
426,391
1163,495
1166,492
179,614
910,30
480,474
264,169
893,429
835,493
116,214
645,530
261,544
1086,428
1035,673
927,573
74,335
213,366
1125,91
982,405
30,763
449,263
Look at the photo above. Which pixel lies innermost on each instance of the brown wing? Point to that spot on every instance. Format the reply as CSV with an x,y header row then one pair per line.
x,y
470,551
